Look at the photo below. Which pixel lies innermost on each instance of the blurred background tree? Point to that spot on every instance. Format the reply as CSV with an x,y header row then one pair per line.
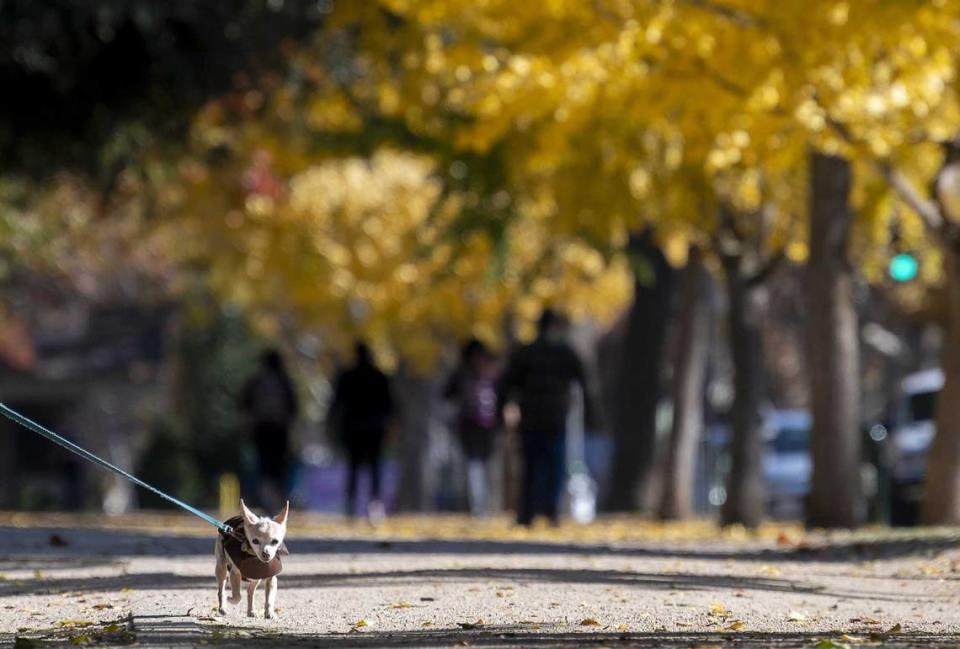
x,y
415,172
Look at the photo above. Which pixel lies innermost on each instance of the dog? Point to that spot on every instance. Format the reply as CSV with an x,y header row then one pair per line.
x,y
251,554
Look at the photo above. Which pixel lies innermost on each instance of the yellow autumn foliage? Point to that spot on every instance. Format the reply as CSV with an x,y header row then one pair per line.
x,y
371,247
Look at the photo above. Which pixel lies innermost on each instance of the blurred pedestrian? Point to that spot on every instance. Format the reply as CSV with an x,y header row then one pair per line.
x,y
473,387
539,377
360,412
270,402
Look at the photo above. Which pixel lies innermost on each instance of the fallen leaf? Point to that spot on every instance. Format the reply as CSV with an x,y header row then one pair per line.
x,y
589,621
737,626
622,627
851,638
101,607
75,623
469,626
830,644
401,604
361,624
879,636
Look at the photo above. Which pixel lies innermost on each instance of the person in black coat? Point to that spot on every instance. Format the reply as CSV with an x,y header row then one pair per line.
x,y
539,378
360,412
270,402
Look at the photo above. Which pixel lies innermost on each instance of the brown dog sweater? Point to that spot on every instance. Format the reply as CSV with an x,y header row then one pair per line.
x,y
250,566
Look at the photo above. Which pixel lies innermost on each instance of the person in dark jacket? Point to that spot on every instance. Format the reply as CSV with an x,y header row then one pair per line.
x,y
473,388
539,378
360,411
270,402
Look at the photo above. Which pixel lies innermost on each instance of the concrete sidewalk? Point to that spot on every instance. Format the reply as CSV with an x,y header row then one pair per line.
x,y
70,581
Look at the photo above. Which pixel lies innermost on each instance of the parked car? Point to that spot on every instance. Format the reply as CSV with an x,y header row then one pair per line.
x,y
786,462
787,466
910,438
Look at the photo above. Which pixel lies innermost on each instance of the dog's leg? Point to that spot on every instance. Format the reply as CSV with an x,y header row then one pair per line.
x,y
221,572
234,586
271,596
251,590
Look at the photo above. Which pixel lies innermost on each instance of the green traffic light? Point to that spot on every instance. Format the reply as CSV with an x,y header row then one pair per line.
x,y
903,267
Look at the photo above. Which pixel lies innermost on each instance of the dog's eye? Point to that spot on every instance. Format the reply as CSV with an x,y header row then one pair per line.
x,y
274,541
255,541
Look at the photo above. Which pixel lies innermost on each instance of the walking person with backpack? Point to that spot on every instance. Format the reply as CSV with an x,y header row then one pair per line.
x,y
473,387
270,402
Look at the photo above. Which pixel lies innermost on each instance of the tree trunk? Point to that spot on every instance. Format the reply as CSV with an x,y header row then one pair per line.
x,y
941,499
745,492
689,374
832,351
414,394
637,388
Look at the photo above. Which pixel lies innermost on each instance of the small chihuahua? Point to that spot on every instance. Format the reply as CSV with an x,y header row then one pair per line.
x,y
251,554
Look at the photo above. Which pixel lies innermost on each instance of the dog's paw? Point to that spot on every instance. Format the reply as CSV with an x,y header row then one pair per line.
x,y
269,614
220,611
234,599
251,614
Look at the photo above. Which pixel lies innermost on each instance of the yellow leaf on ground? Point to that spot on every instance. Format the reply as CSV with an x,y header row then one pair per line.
x,y
589,622
718,609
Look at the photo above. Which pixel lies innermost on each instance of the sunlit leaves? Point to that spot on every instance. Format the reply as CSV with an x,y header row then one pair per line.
x,y
374,247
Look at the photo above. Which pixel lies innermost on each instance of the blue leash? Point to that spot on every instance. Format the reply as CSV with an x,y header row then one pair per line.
x,y
29,424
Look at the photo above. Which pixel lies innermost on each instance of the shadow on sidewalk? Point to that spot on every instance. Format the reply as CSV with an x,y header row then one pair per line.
x,y
34,542
670,581
180,631
183,632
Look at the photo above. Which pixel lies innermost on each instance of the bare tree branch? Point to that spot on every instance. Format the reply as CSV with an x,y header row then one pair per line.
x,y
909,194
736,16
902,187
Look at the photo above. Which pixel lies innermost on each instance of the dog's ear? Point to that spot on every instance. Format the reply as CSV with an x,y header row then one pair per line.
x,y
249,516
282,516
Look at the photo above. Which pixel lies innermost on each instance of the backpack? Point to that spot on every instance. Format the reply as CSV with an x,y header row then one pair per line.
x,y
480,403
